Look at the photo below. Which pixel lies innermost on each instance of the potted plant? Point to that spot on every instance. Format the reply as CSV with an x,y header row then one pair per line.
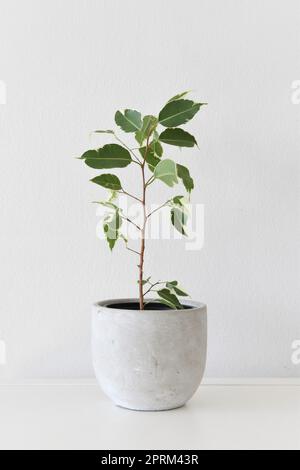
x,y
148,354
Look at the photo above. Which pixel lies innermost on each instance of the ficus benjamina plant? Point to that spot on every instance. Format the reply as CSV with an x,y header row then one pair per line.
x,y
151,133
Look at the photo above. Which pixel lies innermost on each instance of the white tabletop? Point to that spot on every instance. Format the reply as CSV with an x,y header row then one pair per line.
x,y
60,414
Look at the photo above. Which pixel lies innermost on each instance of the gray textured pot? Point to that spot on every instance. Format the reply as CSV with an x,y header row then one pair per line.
x,y
149,360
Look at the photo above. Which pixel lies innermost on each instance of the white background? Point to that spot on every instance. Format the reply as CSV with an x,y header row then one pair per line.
x,y
68,66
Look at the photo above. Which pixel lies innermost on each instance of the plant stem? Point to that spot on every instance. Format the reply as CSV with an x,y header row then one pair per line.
x,y
142,250
143,231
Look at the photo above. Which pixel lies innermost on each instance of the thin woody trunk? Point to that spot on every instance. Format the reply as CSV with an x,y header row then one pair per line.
x,y
142,251
143,231
141,268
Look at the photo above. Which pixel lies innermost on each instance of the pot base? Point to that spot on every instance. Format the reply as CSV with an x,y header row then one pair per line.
x,y
150,360
149,410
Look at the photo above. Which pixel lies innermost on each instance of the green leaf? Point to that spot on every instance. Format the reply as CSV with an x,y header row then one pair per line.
x,y
156,148
179,219
148,127
177,137
178,112
130,121
172,300
108,181
155,135
109,156
180,292
164,302
151,159
89,154
178,200
173,287
112,221
172,283
154,153
111,226
166,171
111,237
184,175
177,97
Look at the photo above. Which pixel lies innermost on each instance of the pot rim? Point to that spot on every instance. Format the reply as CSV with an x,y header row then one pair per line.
x,y
104,305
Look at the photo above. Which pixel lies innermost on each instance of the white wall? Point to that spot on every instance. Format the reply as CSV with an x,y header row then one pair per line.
x,y
68,65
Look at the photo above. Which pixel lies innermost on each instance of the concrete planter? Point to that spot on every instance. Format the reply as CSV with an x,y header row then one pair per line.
x,y
151,360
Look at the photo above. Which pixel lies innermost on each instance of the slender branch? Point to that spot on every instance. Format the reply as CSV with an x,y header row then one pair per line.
x,y
131,222
137,160
153,285
150,181
133,251
127,247
130,195
158,208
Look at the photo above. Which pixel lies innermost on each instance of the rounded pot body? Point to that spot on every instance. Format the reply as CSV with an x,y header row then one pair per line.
x,y
149,360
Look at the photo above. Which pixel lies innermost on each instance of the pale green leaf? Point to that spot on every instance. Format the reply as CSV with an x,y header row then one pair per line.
x,y
129,121
179,96
111,226
155,135
179,219
156,148
148,127
166,171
